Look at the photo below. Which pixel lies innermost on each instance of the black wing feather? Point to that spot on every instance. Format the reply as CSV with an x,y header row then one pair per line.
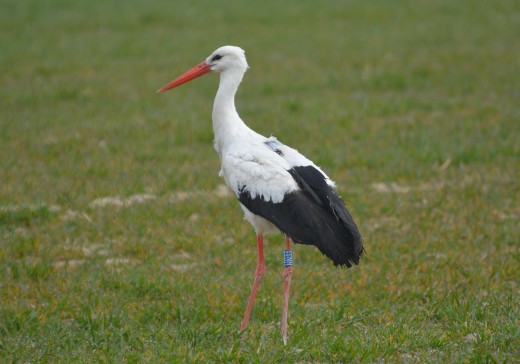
x,y
314,215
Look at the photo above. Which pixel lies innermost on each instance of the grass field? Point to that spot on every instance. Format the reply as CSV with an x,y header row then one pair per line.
x,y
118,242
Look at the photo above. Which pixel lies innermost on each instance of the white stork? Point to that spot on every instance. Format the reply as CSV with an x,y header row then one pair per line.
x,y
278,188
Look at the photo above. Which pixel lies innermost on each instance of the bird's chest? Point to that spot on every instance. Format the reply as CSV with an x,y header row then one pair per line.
x,y
229,173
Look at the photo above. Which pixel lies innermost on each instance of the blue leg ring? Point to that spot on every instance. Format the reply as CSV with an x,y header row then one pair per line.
x,y
287,258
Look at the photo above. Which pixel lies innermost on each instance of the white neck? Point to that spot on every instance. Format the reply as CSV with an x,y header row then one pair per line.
x,y
226,121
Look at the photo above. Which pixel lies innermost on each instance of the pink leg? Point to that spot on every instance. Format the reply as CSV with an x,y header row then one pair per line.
x,y
286,285
259,273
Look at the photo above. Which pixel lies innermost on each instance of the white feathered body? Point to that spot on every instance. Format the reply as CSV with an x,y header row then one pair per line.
x,y
278,188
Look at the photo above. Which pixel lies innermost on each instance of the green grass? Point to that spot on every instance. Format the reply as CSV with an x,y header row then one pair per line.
x,y
413,108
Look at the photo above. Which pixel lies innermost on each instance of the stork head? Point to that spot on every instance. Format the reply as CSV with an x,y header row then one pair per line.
x,y
227,57
224,59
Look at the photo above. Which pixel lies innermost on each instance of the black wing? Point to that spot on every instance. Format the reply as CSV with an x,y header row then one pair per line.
x,y
314,215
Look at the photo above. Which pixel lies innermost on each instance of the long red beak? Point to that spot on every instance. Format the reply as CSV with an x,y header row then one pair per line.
x,y
197,71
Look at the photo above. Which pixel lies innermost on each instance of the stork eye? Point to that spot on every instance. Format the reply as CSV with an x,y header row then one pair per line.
x,y
216,57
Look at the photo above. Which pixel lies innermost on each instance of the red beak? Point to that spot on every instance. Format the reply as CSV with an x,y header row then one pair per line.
x,y
197,71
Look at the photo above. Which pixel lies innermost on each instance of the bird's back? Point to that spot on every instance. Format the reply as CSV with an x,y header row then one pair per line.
x,y
279,184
